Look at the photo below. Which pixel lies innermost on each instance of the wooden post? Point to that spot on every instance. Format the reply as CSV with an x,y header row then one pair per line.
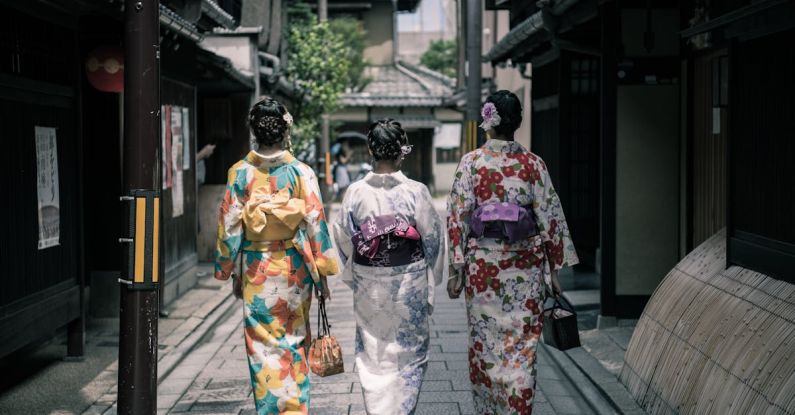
x,y
608,105
137,390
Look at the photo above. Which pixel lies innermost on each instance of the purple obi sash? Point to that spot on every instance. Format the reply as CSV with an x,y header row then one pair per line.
x,y
386,241
507,221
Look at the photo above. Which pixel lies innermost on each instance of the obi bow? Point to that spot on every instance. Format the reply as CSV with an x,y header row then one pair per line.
x,y
263,207
367,239
504,220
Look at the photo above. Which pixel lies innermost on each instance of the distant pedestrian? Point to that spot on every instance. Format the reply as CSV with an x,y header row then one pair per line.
x,y
342,176
508,239
393,243
273,212
201,167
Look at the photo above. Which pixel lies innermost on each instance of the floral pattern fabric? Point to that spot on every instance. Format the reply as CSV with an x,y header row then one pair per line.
x,y
392,303
273,213
505,282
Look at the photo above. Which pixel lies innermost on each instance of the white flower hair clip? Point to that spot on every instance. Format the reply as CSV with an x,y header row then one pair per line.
x,y
405,150
490,116
288,118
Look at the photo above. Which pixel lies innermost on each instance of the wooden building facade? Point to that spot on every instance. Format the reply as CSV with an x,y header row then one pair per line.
x,y
686,123
69,192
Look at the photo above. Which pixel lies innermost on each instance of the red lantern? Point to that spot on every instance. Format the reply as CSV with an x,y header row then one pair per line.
x,y
105,69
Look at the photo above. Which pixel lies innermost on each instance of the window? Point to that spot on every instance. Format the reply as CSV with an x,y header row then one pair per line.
x,y
448,155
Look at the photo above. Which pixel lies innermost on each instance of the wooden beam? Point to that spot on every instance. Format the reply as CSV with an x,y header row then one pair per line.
x,y
609,13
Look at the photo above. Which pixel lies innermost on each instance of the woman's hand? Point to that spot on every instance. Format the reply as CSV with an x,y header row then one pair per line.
x,y
325,291
237,285
456,283
556,290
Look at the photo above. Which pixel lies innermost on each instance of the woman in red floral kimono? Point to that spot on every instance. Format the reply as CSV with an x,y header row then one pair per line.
x,y
508,239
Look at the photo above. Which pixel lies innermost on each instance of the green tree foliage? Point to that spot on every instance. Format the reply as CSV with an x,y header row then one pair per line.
x,y
324,60
353,35
442,56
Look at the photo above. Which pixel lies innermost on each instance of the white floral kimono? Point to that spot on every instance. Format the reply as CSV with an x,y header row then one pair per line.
x,y
392,304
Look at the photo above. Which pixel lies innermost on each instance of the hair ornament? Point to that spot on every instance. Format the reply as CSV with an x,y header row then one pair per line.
x,y
490,116
405,150
288,118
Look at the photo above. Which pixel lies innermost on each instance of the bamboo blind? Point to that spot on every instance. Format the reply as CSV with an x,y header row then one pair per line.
x,y
714,340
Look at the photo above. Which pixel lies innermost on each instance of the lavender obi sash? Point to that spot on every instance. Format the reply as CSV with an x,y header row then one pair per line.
x,y
386,241
507,221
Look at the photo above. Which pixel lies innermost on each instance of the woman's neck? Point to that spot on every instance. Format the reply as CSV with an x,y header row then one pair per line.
x,y
491,134
269,150
385,167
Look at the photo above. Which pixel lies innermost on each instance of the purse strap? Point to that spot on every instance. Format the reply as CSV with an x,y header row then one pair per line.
x,y
323,327
564,305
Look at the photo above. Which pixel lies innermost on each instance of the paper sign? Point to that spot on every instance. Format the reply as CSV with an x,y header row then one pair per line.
x,y
47,187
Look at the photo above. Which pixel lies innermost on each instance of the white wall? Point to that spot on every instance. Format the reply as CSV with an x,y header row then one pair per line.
x,y
238,49
443,175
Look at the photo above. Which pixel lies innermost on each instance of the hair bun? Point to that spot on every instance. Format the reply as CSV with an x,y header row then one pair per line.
x,y
387,139
267,122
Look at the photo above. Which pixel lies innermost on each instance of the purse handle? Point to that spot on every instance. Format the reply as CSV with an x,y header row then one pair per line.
x,y
565,305
323,327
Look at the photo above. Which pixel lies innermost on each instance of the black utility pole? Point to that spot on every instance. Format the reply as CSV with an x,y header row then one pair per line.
x,y
474,33
139,297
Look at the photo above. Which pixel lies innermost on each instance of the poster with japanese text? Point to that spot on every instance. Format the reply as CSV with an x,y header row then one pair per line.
x,y
47,187
178,190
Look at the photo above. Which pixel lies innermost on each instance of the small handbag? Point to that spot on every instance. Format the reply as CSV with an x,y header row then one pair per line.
x,y
325,353
560,326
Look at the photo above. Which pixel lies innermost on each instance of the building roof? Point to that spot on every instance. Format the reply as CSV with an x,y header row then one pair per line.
x,y
540,26
399,86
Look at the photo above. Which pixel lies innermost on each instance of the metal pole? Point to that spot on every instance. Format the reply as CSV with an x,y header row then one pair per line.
x,y
137,390
323,155
474,26
322,10
325,172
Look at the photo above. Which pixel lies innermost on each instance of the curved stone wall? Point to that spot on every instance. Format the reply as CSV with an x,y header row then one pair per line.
x,y
714,340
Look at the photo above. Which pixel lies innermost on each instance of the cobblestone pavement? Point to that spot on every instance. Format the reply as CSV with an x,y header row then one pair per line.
x,y
214,377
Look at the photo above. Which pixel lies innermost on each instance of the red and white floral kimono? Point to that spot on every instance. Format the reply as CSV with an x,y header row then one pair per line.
x,y
505,282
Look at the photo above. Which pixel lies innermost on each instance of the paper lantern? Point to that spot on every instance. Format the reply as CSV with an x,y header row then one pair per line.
x,y
105,69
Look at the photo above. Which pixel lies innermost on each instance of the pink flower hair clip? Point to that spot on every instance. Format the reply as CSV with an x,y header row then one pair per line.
x,y
490,116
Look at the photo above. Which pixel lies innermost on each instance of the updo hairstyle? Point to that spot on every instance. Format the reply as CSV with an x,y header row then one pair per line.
x,y
386,138
509,109
267,122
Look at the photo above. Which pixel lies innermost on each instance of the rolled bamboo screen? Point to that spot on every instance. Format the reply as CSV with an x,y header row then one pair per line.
x,y
714,340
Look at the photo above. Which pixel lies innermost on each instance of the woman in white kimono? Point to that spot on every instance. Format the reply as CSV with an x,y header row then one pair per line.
x,y
393,244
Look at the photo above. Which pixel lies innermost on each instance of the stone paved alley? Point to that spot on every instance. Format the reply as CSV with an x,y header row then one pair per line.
x,y
202,365
214,377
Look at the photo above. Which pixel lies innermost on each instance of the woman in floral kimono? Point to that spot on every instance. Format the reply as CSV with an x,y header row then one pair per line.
x,y
393,244
273,213
508,240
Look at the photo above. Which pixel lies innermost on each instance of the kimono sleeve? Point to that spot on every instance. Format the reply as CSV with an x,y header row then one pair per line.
x,y
434,240
343,232
551,222
323,251
459,208
230,223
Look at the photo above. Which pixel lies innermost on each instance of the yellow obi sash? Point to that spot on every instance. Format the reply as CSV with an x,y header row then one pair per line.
x,y
268,246
272,217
